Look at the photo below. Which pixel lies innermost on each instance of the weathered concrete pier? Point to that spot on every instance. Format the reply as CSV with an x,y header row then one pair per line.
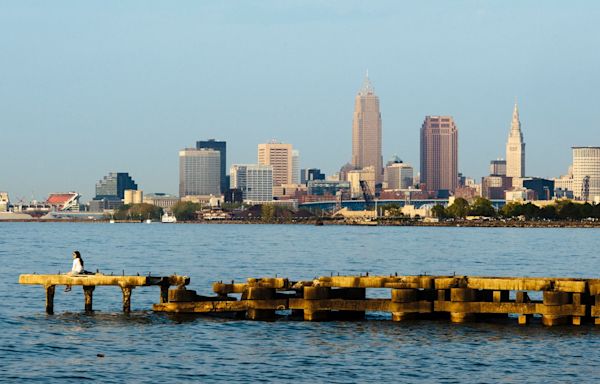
x,y
90,282
458,298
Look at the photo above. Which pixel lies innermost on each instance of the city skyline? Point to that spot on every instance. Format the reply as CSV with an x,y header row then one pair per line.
x,y
91,101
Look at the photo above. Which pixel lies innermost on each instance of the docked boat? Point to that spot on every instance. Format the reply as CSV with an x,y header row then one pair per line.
x,y
168,218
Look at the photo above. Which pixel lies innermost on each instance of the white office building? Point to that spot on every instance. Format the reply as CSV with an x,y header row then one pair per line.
x,y
255,181
586,173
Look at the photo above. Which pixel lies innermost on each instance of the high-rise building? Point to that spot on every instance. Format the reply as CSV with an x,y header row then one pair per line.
x,y
113,186
586,173
280,157
220,146
439,154
199,172
498,167
515,148
255,181
310,174
398,175
295,166
366,130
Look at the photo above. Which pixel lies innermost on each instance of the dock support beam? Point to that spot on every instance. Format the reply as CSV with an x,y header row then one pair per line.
x,y
256,293
164,293
88,291
404,296
311,297
50,289
126,299
462,295
555,299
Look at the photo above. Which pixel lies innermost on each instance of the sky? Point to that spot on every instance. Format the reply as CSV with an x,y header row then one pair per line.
x,y
91,87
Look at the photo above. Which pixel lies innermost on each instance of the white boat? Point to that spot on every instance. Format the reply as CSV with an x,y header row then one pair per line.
x,y
148,221
168,218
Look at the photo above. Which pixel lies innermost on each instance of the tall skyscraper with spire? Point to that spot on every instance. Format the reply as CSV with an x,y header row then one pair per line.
x,y
515,148
366,130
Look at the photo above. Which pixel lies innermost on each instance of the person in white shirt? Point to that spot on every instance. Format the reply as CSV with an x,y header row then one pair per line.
x,y
77,268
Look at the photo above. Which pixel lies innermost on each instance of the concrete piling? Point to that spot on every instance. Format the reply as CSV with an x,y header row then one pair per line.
x,y
88,292
50,289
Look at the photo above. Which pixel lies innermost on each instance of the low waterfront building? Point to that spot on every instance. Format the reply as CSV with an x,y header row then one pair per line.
x,y
4,201
328,187
543,188
161,200
103,205
494,187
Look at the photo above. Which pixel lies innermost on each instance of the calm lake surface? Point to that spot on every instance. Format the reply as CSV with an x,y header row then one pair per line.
x,y
148,347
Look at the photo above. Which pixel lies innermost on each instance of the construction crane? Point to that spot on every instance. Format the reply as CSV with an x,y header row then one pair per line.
x,y
367,195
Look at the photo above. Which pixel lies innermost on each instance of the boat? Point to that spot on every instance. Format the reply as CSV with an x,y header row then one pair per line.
x,y
168,218
148,221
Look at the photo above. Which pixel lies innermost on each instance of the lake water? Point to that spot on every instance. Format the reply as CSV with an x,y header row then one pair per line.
x,y
149,347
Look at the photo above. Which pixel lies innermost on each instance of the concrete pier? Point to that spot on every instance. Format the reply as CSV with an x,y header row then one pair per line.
x,y
459,298
90,282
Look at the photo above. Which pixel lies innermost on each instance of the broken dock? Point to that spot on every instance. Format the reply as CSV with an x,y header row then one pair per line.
x,y
458,298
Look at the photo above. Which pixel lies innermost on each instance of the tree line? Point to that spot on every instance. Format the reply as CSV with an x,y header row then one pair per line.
x,y
560,210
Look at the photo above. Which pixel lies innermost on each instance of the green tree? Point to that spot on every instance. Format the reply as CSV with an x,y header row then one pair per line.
x,y
531,211
596,211
459,209
586,210
482,207
439,211
267,212
186,210
567,210
548,212
511,210
138,212
392,210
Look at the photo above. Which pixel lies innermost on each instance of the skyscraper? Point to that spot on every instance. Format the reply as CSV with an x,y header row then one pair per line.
x,y
366,130
280,156
199,172
220,146
586,173
515,148
439,154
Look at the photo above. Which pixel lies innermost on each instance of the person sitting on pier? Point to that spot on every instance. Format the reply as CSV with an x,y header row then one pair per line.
x,y
77,268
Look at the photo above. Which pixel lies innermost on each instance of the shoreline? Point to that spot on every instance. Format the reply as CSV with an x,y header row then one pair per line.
x,y
329,222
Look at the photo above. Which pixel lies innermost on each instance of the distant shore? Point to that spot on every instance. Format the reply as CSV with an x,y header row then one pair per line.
x,y
381,222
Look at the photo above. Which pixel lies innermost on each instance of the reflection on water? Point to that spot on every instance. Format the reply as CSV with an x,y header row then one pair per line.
x,y
108,346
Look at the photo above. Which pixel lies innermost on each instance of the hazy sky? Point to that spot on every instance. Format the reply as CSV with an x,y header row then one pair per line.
x,y
92,87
